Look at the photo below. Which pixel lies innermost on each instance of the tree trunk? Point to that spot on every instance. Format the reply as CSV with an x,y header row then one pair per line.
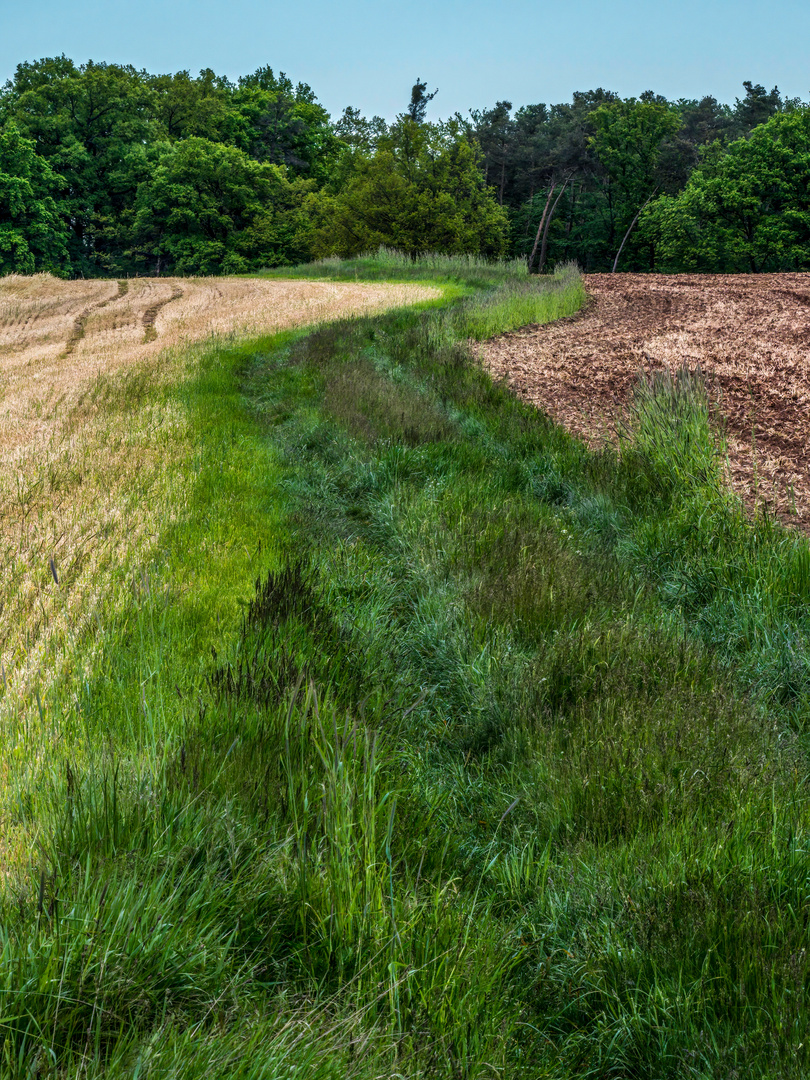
x,y
569,224
540,227
528,216
544,247
632,226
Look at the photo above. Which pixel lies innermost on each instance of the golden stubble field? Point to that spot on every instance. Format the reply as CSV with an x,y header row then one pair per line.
x,y
56,336
84,487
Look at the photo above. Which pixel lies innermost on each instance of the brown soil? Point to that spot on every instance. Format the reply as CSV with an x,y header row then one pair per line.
x,y
749,335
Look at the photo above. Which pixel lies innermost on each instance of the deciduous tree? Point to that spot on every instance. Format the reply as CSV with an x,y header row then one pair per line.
x,y
746,208
33,236
628,139
421,191
209,208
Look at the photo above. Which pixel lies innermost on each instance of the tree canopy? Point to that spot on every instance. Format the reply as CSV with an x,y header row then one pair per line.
x,y
106,169
604,156
745,208
33,234
208,208
420,191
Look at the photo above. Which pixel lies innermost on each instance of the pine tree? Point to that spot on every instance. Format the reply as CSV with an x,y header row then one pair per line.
x,y
417,110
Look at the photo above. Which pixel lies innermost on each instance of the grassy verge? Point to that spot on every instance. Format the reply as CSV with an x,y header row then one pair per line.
x,y
390,265
476,781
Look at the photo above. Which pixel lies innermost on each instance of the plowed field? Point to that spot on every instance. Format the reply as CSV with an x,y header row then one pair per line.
x,y
749,334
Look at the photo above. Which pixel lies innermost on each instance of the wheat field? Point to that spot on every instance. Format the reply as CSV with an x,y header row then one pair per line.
x,y
95,454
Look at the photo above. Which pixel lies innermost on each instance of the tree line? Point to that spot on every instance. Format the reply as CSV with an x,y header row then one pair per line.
x,y
650,184
105,169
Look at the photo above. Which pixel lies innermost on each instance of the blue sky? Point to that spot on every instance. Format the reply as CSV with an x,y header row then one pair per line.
x,y
367,54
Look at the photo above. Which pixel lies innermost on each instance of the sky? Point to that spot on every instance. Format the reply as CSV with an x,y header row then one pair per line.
x,y
368,53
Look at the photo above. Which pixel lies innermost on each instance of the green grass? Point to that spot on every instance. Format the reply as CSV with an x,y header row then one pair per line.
x,y
432,744
387,264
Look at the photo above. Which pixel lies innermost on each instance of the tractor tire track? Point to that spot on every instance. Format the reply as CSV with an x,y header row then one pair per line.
x,y
149,317
80,322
